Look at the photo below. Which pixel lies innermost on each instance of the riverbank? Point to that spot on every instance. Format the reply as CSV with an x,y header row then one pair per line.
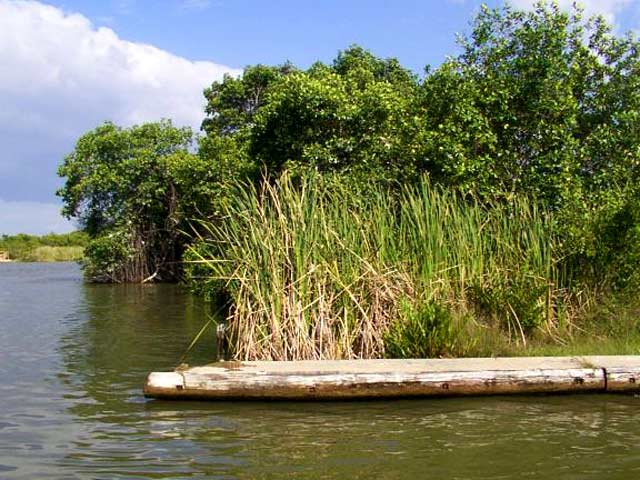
x,y
363,379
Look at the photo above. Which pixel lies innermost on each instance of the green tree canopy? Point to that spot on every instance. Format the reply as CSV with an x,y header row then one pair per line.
x,y
233,102
355,114
133,190
539,101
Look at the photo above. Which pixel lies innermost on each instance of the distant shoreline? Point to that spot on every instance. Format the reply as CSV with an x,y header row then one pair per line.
x,y
48,254
46,248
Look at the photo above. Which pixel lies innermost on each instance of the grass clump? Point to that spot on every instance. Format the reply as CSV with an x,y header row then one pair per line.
x,y
422,330
314,270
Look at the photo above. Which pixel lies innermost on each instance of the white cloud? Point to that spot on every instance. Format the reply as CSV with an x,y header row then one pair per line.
x,y
609,9
60,61
61,76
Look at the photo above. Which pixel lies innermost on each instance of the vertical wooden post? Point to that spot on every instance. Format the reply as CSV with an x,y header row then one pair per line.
x,y
221,341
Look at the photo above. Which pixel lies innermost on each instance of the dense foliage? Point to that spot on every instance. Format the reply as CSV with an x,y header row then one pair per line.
x,y
541,107
355,116
546,104
316,271
132,190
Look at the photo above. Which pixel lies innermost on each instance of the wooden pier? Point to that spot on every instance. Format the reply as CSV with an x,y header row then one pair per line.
x,y
361,379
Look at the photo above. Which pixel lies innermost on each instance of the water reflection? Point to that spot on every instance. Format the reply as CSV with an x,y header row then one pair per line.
x,y
73,408
116,336
564,437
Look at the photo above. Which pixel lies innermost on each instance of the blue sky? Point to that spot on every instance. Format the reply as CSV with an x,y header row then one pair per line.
x,y
66,66
243,32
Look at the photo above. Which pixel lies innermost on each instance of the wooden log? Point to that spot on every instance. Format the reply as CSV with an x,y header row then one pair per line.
x,y
323,380
622,373
623,379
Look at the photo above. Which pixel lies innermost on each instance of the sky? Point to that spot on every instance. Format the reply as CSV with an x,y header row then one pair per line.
x,y
67,66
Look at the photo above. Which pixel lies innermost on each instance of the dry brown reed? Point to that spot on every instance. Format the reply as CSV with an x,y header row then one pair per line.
x,y
316,270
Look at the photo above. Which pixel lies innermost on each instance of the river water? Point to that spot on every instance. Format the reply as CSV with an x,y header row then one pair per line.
x,y
73,358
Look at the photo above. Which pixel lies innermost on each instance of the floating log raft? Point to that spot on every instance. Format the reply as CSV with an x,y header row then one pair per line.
x,y
360,379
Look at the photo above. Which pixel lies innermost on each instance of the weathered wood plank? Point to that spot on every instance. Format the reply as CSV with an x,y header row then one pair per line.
x,y
352,379
368,385
404,365
622,371
623,379
393,378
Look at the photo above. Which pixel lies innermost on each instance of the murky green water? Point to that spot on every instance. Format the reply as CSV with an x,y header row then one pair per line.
x,y
73,358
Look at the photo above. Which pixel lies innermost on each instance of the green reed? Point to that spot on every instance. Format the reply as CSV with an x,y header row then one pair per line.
x,y
316,269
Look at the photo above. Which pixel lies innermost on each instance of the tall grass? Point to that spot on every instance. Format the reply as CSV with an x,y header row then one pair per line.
x,y
316,270
54,254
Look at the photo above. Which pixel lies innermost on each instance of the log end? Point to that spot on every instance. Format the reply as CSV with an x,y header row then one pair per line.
x,y
164,384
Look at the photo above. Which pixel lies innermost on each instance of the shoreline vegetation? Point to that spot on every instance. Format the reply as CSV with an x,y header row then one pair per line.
x,y
66,247
357,210
312,271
